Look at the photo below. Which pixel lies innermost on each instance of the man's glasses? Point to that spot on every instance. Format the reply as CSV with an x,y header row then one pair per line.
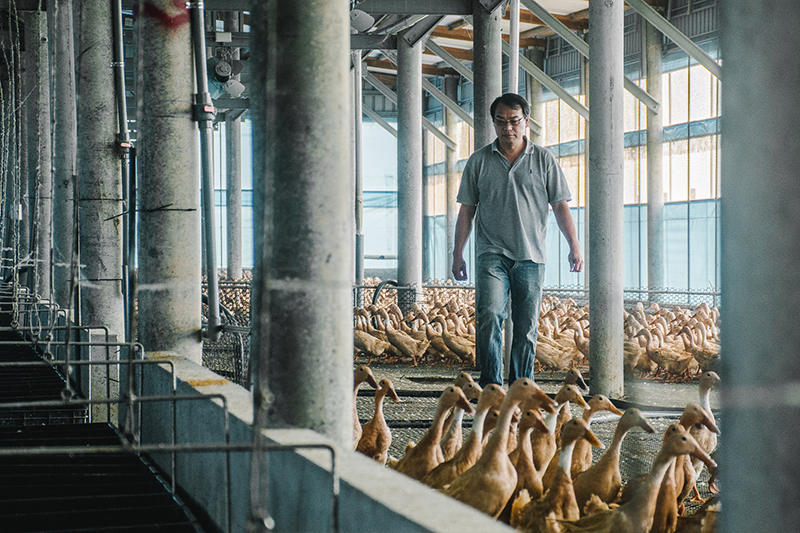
x,y
514,122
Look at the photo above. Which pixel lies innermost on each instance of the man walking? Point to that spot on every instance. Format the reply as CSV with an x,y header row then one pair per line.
x,y
506,188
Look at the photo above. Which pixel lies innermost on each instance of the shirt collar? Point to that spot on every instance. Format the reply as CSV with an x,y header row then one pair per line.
x,y
528,145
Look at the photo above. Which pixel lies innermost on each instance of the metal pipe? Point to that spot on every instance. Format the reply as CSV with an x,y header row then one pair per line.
x,y
124,146
513,43
204,115
233,182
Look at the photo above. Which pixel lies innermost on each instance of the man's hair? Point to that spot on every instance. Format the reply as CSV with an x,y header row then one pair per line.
x,y
513,101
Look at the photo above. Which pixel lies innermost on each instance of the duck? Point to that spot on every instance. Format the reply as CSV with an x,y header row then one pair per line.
x,y
544,445
674,486
406,344
461,346
603,478
582,452
490,482
706,354
361,374
485,418
366,343
636,515
558,502
528,477
674,363
376,437
704,520
706,438
427,454
454,436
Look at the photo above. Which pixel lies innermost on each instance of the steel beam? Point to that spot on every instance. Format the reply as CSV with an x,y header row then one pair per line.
x,y
391,95
583,48
422,29
448,58
417,7
675,35
550,83
363,41
371,113
447,102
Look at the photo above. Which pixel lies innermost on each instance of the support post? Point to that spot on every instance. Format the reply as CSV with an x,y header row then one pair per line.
x,y
100,186
65,146
409,170
487,64
169,187
39,156
302,343
451,168
760,250
233,173
358,174
606,197
513,44
655,156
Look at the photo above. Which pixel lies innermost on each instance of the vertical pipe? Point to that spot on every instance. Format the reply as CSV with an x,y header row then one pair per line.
x,y
451,165
65,144
124,145
233,174
204,115
760,250
513,45
100,186
409,169
487,63
655,156
606,196
39,155
358,170
302,304
169,210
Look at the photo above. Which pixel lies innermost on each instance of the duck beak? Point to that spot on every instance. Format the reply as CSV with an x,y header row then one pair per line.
x,y
393,395
371,381
544,401
581,402
707,422
645,425
703,456
464,404
539,422
616,411
593,440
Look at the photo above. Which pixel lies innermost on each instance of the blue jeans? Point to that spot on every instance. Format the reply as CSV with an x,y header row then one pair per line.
x,y
497,276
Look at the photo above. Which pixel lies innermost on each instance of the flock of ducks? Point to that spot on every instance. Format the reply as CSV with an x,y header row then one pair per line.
x,y
528,462
671,344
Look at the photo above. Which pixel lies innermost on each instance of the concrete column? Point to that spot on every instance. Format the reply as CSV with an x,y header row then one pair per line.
x,y
100,186
409,168
487,64
451,168
65,147
655,153
233,175
24,235
358,170
40,179
606,197
760,250
169,186
587,244
302,305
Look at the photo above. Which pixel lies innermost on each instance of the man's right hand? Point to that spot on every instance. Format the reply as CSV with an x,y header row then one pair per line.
x,y
459,269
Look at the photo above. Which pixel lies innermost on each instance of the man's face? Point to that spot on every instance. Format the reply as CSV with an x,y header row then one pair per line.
x,y
509,124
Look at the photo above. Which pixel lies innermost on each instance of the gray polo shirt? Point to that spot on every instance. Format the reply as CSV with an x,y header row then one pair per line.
x,y
511,217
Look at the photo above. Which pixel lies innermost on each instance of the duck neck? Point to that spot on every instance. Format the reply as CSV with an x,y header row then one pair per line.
x,y
455,424
644,500
379,397
475,438
551,419
565,459
705,399
499,437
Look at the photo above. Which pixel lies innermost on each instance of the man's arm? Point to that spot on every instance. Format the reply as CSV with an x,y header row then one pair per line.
x,y
567,226
466,214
